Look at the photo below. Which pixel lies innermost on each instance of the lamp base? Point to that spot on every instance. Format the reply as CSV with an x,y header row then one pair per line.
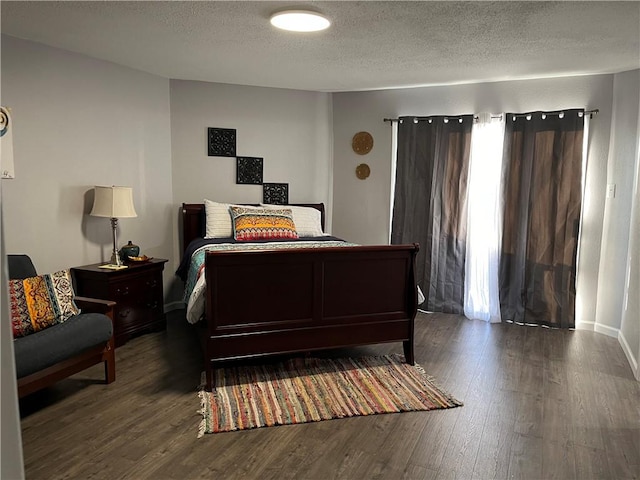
x,y
115,258
116,261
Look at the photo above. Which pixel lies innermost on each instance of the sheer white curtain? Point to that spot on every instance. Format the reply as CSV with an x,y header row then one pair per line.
x,y
394,166
484,221
586,211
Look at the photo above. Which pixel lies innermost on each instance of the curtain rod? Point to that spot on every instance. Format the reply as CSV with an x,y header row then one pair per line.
x,y
591,113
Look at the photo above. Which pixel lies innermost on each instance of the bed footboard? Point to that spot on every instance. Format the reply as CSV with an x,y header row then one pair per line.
x,y
275,302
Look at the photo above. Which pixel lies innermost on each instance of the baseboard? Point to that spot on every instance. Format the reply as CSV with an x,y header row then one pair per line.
x,y
633,362
586,326
597,327
615,333
608,331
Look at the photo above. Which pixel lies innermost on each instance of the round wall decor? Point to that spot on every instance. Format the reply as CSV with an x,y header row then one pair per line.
x,y
362,143
363,171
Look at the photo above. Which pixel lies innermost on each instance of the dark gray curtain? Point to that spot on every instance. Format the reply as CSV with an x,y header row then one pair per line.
x,y
542,196
430,204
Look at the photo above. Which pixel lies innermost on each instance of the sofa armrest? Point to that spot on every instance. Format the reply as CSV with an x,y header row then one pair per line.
x,y
95,305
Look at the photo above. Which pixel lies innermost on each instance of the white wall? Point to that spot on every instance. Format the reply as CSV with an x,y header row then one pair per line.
x,y
619,285
617,212
362,208
80,122
290,129
11,459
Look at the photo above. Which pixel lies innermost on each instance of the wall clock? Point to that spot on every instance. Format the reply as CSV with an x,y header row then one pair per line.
x,y
362,143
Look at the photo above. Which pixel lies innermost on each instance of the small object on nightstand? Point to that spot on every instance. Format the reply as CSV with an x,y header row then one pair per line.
x,y
113,266
141,259
129,250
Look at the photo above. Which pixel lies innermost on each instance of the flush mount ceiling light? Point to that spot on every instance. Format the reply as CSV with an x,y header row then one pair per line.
x,y
300,21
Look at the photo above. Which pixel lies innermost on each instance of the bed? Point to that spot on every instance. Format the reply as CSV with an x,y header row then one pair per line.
x,y
260,298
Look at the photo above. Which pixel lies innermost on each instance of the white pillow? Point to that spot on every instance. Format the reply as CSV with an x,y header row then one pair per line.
x,y
218,223
308,220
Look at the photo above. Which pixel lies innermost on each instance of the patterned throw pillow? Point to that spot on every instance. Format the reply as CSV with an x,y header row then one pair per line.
x,y
41,302
258,224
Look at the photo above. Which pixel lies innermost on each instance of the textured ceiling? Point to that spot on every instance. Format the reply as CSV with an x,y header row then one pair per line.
x,y
370,45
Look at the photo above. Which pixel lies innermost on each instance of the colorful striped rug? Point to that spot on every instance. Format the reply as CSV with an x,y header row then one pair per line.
x,y
302,390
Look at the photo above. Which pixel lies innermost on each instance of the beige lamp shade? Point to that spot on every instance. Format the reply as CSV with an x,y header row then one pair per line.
x,y
113,202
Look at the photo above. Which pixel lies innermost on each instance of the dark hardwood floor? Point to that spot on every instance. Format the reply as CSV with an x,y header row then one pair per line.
x,y
539,404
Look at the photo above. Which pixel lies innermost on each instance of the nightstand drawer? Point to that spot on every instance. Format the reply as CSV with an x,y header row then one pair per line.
x,y
130,318
137,291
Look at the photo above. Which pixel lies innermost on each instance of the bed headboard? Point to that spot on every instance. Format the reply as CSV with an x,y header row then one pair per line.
x,y
193,219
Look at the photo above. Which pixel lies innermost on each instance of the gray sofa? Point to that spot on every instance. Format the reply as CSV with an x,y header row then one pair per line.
x,y
47,356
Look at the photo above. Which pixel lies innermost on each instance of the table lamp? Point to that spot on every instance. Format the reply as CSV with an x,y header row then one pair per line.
x,y
113,202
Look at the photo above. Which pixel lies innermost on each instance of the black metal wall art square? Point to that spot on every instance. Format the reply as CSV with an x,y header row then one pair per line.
x,y
221,142
275,193
249,170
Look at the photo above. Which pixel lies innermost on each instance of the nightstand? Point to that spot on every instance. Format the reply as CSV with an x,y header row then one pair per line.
x,y
137,291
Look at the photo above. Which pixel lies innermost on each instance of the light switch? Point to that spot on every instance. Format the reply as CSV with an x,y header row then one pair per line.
x,y
611,190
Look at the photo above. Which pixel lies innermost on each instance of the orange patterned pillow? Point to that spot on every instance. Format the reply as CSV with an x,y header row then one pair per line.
x,y
259,224
40,302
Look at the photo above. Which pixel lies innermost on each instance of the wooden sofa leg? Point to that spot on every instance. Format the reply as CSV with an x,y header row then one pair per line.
x,y
110,362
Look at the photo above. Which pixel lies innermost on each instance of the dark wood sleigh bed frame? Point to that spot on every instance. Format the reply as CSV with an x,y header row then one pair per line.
x,y
285,301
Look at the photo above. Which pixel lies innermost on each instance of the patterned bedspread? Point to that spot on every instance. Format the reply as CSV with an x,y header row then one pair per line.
x,y
195,286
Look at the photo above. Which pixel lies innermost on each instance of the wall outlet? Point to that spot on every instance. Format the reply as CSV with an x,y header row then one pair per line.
x,y
611,190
